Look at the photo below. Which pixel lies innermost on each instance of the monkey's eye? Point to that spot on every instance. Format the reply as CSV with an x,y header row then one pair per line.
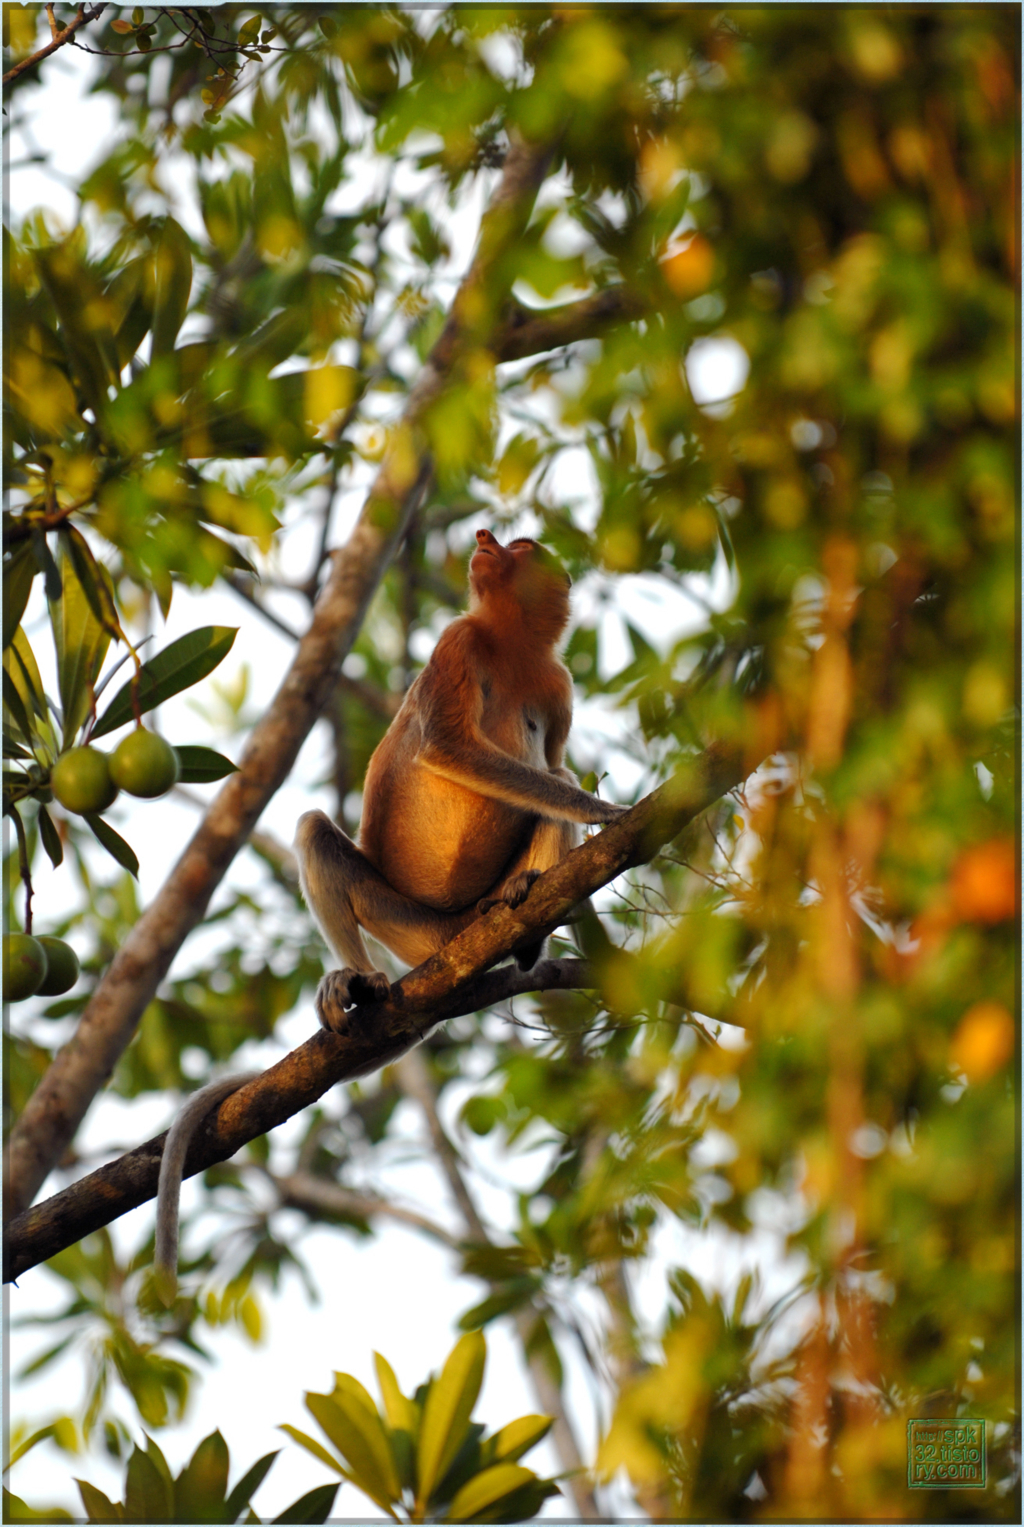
x,y
531,724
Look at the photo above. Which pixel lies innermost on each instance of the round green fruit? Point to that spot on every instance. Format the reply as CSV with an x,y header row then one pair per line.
x,y
61,967
80,779
144,764
24,966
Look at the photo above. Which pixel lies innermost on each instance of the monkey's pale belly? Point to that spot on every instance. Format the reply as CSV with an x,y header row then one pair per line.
x,y
468,845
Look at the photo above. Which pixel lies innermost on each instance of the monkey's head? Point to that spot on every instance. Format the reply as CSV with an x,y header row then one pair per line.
x,y
523,573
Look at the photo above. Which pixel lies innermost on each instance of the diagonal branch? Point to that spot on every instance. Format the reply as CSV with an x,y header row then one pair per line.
x,y
59,1103
316,1196
59,38
530,332
456,980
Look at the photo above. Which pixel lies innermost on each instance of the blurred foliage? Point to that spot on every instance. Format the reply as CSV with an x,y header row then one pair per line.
x,y
804,1045
424,1459
198,1494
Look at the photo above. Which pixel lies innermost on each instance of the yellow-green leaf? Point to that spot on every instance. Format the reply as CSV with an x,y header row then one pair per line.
x,y
16,707
20,662
344,1383
357,1433
487,1488
401,1412
447,1411
81,644
314,1447
518,1437
15,1510
97,584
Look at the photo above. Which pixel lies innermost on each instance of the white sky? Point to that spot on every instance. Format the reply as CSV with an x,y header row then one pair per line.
x,y
396,1293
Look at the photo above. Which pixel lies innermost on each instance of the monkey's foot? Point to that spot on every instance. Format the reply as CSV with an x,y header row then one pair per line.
x,y
341,989
514,894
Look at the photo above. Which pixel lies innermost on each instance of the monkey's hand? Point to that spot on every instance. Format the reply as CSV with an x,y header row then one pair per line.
x,y
606,811
341,989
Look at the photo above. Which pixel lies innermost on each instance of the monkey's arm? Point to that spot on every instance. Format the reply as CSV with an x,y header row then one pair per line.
x,y
452,745
474,761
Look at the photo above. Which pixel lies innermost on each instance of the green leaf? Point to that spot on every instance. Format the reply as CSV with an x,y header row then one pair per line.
x,y
157,1458
447,1411
315,1506
50,838
81,644
173,264
84,334
19,572
515,1439
177,667
13,749
486,1490
113,843
247,1486
201,1486
357,1433
98,1507
148,1495
200,766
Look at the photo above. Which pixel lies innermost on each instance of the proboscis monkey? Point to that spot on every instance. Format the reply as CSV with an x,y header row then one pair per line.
x,y
466,798
466,802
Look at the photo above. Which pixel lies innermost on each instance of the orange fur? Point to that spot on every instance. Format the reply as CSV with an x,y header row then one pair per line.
x,y
466,798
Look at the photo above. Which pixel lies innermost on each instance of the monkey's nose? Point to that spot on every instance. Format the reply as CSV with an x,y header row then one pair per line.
x,y
484,538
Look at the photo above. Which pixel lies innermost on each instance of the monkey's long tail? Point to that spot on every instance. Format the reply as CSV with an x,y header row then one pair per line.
x,y
172,1165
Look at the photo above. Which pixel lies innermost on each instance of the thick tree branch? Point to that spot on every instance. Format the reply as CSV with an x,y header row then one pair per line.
x,y
295,1082
456,980
59,1103
59,38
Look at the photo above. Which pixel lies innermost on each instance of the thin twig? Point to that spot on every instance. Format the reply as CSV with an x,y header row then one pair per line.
x,y
316,1196
60,38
